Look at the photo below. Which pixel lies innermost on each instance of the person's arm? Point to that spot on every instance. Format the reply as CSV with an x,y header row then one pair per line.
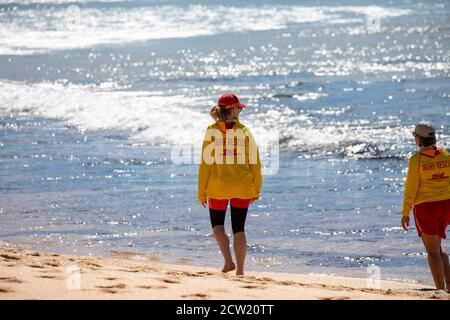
x,y
255,166
204,171
411,185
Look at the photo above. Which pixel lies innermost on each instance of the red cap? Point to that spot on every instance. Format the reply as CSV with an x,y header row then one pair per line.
x,y
229,101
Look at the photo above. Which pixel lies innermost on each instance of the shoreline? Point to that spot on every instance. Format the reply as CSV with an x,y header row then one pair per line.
x,y
30,274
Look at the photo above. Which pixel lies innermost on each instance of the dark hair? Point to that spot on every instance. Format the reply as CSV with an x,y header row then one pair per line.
x,y
426,142
217,113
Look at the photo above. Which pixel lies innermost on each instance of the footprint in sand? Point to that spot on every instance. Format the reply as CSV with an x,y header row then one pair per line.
x,y
53,264
151,287
183,273
131,270
253,287
220,290
169,280
112,288
109,290
46,271
110,278
36,266
11,280
242,279
5,290
93,266
135,270
252,280
195,295
9,256
49,277
287,283
335,298
190,274
89,263
267,279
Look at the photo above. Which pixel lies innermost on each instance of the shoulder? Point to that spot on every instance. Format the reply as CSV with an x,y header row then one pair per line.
x,y
414,158
243,127
210,131
211,126
444,152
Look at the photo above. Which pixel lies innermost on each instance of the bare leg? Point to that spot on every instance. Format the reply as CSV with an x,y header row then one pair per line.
x,y
445,262
240,250
224,245
432,245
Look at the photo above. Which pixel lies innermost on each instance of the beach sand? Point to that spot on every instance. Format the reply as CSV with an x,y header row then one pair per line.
x,y
27,274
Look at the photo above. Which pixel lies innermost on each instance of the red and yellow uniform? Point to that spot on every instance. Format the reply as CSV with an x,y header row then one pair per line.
x,y
427,187
237,174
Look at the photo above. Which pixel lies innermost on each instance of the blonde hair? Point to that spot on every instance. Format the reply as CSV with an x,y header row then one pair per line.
x,y
219,114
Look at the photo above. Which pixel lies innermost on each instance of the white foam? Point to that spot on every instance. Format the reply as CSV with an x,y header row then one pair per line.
x,y
298,131
174,120
372,11
309,96
56,28
150,117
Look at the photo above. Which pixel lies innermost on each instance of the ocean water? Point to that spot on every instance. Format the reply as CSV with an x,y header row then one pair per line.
x,y
96,95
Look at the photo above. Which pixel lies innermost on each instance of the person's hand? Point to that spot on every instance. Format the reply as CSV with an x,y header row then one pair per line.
x,y
405,223
203,203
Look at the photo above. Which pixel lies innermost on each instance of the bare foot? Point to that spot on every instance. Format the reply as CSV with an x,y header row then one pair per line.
x,y
228,267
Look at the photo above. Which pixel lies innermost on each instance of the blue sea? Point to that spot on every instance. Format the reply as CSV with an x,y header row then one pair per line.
x,y
95,96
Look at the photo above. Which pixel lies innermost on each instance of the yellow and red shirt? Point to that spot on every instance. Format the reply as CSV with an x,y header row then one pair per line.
x,y
224,179
428,178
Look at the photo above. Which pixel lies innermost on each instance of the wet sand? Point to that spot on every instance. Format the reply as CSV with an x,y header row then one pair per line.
x,y
27,274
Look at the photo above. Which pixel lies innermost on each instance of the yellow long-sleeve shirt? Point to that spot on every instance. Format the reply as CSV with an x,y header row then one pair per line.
x,y
230,165
427,179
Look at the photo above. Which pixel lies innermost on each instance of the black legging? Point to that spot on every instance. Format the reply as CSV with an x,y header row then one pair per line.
x,y
238,216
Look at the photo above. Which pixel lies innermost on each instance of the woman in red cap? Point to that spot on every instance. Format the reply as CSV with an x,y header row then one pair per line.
x,y
427,188
229,172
